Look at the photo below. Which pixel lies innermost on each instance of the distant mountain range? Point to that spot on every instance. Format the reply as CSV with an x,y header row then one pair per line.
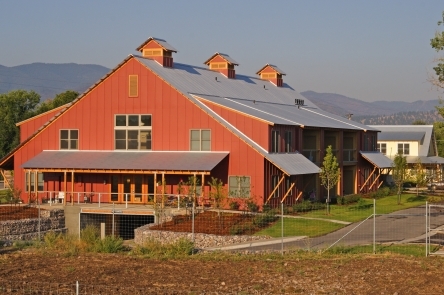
x,y
50,79
342,105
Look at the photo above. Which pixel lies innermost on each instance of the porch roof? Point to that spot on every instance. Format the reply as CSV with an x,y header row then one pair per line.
x,y
377,159
126,160
293,163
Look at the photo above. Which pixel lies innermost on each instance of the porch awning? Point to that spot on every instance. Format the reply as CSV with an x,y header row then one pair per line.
x,y
126,160
377,159
293,163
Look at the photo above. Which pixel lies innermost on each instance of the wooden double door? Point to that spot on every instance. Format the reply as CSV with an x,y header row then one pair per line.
x,y
132,188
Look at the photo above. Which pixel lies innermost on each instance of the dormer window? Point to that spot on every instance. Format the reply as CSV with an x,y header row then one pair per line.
x,y
272,73
158,50
223,64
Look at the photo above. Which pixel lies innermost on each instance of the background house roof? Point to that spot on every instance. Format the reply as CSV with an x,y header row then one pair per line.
x,y
409,133
377,159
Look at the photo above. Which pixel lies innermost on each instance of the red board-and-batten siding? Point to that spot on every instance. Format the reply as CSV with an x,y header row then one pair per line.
x,y
173,116
28,127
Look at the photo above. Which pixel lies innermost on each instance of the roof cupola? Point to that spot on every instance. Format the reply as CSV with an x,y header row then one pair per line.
x,y
272,73
159,50
223,64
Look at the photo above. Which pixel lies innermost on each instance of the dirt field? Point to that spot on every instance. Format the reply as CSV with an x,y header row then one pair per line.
x,y
309,274
42,269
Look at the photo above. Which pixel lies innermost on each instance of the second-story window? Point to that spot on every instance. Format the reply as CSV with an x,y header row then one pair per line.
x,y
382,148
404,149
287,139
200,140
275,141
132,132
69,139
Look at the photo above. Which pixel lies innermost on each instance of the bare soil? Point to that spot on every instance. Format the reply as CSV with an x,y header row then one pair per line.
x,y
241,273
308,274
16,212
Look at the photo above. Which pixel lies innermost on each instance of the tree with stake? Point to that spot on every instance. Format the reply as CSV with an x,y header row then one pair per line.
x,y
399,173
330,173
217,193
420,176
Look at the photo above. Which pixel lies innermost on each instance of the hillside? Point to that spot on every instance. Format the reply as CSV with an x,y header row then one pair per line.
x,y
50,79
342,105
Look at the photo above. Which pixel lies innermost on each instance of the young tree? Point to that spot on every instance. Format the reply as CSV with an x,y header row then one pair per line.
x,y
330,173
217,193
399,173
419,176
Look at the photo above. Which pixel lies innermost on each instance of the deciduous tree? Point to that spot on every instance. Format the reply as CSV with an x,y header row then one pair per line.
x,y
330,173
399,173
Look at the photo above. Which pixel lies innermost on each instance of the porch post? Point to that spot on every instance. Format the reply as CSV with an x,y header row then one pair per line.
x,y
35,186
163,189
64,188
155,187
72,188
28,173
203,186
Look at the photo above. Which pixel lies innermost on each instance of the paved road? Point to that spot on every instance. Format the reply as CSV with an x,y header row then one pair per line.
x,y
399,227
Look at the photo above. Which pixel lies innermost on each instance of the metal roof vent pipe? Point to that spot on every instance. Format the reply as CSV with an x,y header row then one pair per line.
x,y
272,73
223,64
158,50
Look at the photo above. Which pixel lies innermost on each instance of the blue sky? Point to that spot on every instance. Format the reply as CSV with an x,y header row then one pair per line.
x,y
369,50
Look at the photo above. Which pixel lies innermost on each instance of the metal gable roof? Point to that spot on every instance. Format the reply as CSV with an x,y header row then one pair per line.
x,y
125,160
409,131
161,42
293,163
401,136
250,95
377,159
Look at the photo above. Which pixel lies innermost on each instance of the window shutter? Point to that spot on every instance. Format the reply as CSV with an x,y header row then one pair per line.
x,y
133,86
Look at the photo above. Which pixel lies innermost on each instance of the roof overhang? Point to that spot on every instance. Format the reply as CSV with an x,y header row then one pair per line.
x,y
184,162
377,159
293,163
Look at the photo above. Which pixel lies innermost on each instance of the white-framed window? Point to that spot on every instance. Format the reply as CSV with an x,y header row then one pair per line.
x,y
382,148
69,139
404,149
132,132
200,140
239,186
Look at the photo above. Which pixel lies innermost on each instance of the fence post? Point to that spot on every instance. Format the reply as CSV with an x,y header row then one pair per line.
x,y
50,198
192,223
77,288
282,228
427,229
374,226
112,230
126,201
38,204
100,196
78,198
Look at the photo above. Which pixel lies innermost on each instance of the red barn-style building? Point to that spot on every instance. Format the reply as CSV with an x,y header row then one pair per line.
x,y
153,121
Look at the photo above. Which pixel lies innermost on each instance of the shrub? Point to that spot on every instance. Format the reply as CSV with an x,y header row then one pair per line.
x,y
252,206
348,199
109,244
51,239
262,220
153,248
234,205
380,193
306,206
90,234
266,208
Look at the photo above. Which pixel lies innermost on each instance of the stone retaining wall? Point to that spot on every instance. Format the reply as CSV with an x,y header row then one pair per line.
x,y
201,241
28,229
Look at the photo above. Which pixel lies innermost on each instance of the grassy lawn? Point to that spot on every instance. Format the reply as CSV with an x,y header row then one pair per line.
x,y
353,213
349,213
300,227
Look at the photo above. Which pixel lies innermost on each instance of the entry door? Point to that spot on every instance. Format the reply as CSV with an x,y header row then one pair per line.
x,y
137,188
127,184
